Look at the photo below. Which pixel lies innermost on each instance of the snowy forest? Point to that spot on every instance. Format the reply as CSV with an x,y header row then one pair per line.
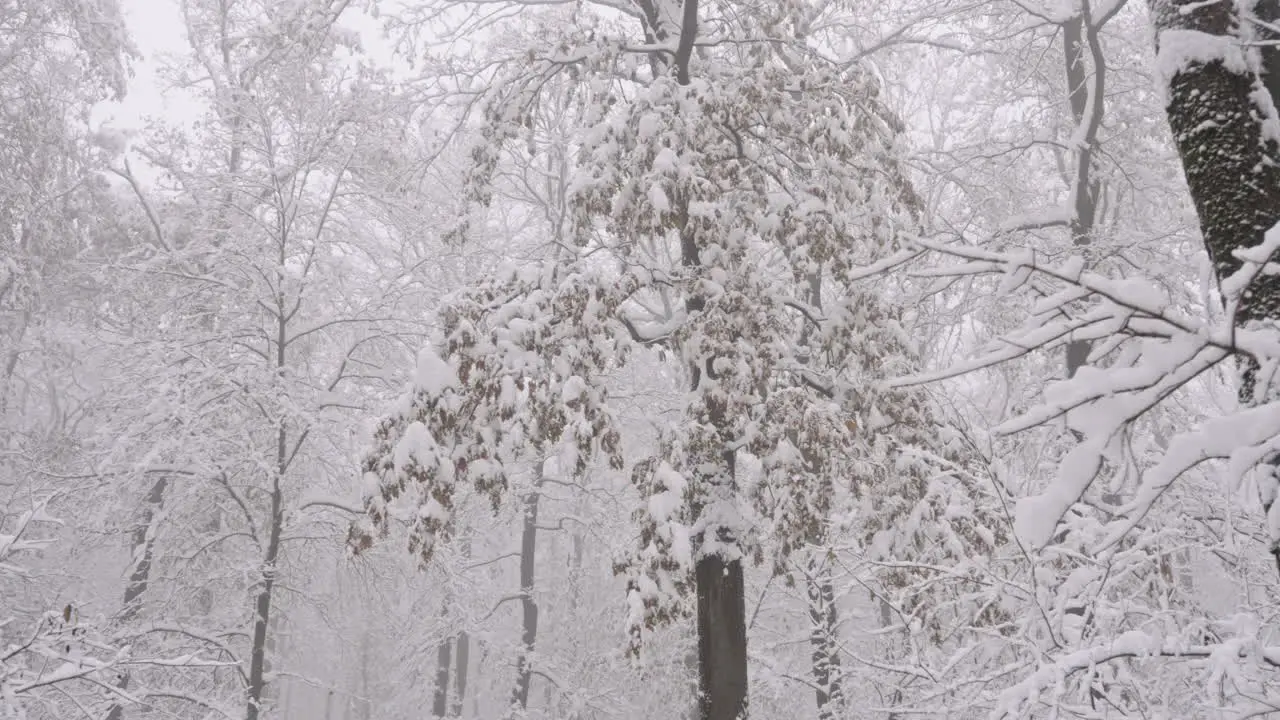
x,y
632,359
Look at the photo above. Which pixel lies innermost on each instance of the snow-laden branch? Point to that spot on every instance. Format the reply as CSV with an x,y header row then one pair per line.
x,y
69,659
353,507
1133,644
1154,350
20,540
203,636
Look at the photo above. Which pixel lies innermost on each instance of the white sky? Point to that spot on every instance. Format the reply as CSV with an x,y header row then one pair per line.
x,y
156,28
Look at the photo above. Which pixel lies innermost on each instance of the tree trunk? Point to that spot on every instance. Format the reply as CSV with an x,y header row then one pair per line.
x,y
461,659
480,666
143,544
1077,36
444,658
143,541
823,620
529,634
823,637
262,605
1232,166
1268,11
275,693
722,638
1085,184
575,565
444,662
722,612
721,620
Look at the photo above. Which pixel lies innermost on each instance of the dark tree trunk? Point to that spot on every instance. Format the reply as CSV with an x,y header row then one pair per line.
x,y
1232,167
444,659
1268,12
142,542
824,621
722,638
529,633
262,617
1076,38
722,611
462,659
721,620
262,604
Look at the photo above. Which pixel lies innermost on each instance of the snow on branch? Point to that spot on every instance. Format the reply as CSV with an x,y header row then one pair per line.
x,y
1150,350
66,658
1179,49
514,375
19,538
1133,644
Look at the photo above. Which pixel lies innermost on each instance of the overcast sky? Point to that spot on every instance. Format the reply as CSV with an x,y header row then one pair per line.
x,y
156,28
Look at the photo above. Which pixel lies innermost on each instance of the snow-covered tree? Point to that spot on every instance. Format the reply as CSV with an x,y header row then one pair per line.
x,y
256,320
1114,544
736,192
836,359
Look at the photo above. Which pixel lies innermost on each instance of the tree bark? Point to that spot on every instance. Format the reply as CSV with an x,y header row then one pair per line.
x,y
271,556
722,638
1268,31
824,622
444,659
1086,185
1232,166
529,632
262,604
722,611
721,618
143,541
462,659
444,663
823,618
